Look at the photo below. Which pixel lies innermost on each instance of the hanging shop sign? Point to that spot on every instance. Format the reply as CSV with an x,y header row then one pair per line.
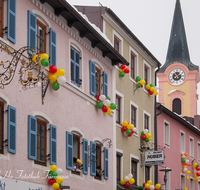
x,y
154,157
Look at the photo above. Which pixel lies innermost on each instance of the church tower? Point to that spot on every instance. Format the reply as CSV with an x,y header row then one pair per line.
x,y
178,77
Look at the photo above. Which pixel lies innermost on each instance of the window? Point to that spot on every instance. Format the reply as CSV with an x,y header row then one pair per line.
x,y
177,106
147,173
192,147
182,146
41,37
116,43
182,182
146,121
41,142
118,99
97,80
1,126
76,150
1,18
198,151
118,167
133,66
146,74
198,185
133,115
166,134
75,66
134,170
191,184
98,161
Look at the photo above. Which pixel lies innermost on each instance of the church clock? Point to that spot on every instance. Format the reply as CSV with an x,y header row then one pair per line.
x,y
176,76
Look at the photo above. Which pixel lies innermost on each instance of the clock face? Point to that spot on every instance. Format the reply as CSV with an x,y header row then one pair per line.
x,y
177,76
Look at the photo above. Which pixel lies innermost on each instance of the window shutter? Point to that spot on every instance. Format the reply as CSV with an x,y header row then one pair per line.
x,y
52,47
11,129
53,145
69,150
92,158
32,137
77,68
105,83
85,156
11,21
105,163
92,78
31,31
72,65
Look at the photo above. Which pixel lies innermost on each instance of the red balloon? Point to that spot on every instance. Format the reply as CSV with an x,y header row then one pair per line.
x,y
197,168
104,109
51,181
98,98
144,184
124,128
141,86
198,174
52,69
38,53
143,137
126,71
123,66
132,131
150,92
127,184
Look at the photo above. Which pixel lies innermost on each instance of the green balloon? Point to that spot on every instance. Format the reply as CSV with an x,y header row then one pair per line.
x,y
160,186
142,133
60,185
128,131
122,74
113,106
50,173
54,175
147,139
108,98
151,85
99,105
141,187
120,66
183,160
138,78
44,62
139,85
55,86
197,165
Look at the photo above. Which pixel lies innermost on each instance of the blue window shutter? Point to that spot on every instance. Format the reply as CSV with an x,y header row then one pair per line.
x,y
69,150
52,47
32,137
53,145
85,156
105,163
11,21
72,64
92,78
92,158
31,31
11,129
75,67
105,83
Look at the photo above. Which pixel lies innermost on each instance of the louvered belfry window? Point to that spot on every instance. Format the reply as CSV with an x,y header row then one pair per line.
x,y
177,106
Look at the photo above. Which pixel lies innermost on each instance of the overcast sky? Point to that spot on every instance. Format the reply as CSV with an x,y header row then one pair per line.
x,y
151,20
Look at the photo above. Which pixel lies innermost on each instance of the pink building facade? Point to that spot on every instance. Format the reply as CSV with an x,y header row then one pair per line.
x,y
34,136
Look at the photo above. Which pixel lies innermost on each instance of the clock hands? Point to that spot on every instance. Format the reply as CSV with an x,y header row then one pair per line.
x,y
176,76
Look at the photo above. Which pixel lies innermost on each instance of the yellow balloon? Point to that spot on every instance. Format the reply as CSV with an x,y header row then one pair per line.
x,y
131,181
55,186
129,126
34,58
109,111
79,161
196,179
150,139
188,172
155,93
44,56
147,185
142,82
121,70
149,182
184,166
151,89
147,87
125,123
187,178
193,167
122,182
157,186
185,188
60,72
195,164
148,135
52,77
195,175
59,179
53,168
125,176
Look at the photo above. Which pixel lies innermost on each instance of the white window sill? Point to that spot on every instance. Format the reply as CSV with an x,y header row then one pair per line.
x,y
5,41
136,135
81,176
118,125
166,145
132,80
99,181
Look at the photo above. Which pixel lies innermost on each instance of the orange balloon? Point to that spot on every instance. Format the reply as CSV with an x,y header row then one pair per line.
x,y
185,153
184,163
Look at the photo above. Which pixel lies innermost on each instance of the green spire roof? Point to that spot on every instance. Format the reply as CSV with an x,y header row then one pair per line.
x,y
178,48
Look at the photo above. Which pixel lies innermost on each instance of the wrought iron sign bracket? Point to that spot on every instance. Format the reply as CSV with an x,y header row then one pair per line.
x,y
45,84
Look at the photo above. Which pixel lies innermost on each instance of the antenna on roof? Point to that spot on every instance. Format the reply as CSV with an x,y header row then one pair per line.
x,y
100,4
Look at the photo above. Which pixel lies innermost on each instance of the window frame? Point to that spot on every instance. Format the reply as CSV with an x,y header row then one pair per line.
x,y
78,157
120,39
184,181
137,111
118,168
98,145
149,120
116,41
149,173
2,18
193,185
99,71
2,128
133,160
191,139
146,117
167,144
181,132
44,27
174,106
120,153
39,162
146,65
118,109
121,108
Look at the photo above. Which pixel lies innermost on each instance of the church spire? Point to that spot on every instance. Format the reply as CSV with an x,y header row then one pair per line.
x,y
178,48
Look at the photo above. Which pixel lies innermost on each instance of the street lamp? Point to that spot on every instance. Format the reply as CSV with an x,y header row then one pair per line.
x,y
165,176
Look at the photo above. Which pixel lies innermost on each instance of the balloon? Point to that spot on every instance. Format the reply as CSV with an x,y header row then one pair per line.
x,y
147,185
198,174
146,131
144,184
148,135
197,168
128,131
34,59
149,182
106,102
127,184
142,133
195,171
99,105
185,169
182,152
55,186
147,139
157,186
102,97
121,70
197,164
151,85
125,123
52,69
187,178
155,93
108,98
113,106
52,77
196,179
120,66
160,186
109,111
151,187
104,109
132,131
138,85
129,126
142,82
131,181
187,161
130,176
98,98
123,66
53,168
144,137
51,181
126,71
138,78
188,172
150,92
55,86
150,139
122,74
44,56
195,175
126,179
185,188
53,174
151,89
124,129
44,62
60,185
183,160
122,182
60,72
59,179
147,87
125,176
141,187
61,80
59,171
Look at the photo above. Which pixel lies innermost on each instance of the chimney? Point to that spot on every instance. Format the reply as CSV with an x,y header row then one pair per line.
x,y
197,121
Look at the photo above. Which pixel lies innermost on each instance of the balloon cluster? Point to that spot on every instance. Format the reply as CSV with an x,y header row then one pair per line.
x,y
43,58
146,136
104,103
56,77
128,129
152,89
139,82
123,70
185,164
196,171
55,180
127,180
185,188
148,185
